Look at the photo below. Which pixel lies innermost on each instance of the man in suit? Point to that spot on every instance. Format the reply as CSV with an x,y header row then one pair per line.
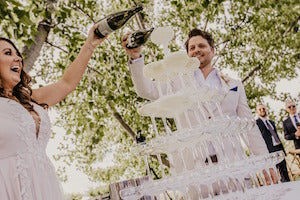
x,y
291,125
269,133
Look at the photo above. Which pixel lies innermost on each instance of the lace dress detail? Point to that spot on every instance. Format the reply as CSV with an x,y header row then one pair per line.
x,y
25,169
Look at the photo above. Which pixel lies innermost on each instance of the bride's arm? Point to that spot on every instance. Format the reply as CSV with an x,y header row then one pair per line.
x,y
56,92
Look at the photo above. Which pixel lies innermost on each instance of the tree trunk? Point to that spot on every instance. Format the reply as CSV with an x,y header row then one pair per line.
x,y
32,53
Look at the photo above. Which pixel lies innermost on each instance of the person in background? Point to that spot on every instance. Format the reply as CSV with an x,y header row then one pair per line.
x,y
25,170
269,133
291,125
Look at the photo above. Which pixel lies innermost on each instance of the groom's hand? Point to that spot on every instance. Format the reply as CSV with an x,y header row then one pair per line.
x,y
132,53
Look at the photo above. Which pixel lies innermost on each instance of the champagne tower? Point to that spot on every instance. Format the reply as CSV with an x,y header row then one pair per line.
x,y
193,173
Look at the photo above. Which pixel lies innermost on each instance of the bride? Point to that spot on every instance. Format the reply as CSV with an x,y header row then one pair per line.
x,y
26,172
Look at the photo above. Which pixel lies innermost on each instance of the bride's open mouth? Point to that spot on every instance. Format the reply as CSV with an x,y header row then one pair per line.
x,y
15,68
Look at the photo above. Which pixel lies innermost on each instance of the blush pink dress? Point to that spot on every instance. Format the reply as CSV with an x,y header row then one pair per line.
x,y
26,173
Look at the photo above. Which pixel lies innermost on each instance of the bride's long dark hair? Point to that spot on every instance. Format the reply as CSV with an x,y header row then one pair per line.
x,y
22,91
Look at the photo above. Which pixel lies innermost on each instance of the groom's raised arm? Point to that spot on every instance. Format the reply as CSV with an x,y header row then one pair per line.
x,y
144,87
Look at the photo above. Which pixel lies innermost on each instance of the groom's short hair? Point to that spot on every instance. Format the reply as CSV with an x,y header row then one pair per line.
x,y
198,32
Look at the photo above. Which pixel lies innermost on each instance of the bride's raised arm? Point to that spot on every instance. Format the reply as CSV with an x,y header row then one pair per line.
x,y
56,92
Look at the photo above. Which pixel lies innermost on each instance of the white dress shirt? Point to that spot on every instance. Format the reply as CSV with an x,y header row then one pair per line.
x,y
265,121
293,119
212,80
294,122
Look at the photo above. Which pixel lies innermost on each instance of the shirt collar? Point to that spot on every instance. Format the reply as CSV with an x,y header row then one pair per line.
x,y
263,118
212,73
292,116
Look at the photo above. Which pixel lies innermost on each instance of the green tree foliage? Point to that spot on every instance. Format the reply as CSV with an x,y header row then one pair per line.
x,y
258,39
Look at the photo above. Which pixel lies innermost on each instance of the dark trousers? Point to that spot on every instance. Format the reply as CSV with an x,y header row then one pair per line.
x,y
283,171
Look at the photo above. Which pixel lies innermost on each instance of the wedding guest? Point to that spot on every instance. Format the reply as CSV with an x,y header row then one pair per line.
x,y
269,133
25,170
291,125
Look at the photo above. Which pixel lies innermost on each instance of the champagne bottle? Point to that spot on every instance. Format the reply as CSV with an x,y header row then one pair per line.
x,y
138,38
115,21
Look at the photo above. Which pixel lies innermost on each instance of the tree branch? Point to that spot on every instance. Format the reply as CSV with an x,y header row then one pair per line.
x,y
225,41
291,26
140,21
206,22
79,8
56,46
33,52
121,121
251,73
